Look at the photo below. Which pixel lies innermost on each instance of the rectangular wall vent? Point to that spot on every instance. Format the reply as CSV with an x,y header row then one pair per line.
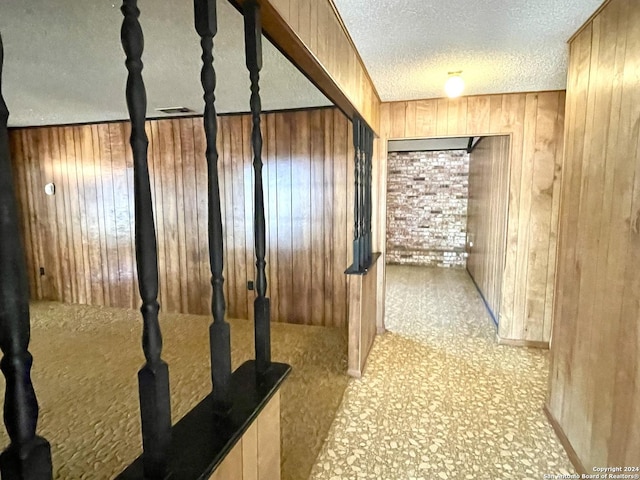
x,y
174,110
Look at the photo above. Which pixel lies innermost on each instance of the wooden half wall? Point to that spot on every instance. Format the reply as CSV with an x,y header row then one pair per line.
x,y
534,123
595,369
79,242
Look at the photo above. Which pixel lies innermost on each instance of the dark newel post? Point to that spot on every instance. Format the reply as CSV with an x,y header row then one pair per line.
x,y
262,309
153,377
28,456
206,22
356,201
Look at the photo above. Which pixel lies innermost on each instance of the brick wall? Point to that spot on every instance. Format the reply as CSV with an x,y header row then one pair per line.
x,y
427,196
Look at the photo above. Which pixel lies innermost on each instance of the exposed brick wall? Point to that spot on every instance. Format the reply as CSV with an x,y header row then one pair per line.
x,y
427,195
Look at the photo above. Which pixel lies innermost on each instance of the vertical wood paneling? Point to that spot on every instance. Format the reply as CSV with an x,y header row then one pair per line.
x,y
317,204
256,456
284,198
595,379
342,205
83,236
487,216
271,216
247,219
312,34
328,215
534,123
301,213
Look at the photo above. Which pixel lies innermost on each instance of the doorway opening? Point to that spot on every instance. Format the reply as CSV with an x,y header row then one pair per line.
x,y
447,206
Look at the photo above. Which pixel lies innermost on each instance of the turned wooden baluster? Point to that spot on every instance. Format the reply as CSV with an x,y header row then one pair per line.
x,y
153,377
368,195
363,198
357,230
219,334
261,305
28,456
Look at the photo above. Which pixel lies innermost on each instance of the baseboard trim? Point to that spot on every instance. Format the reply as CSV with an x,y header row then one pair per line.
x,y
522,343
484,300
564,441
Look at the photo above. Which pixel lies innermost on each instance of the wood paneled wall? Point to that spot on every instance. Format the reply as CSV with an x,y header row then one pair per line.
x,y
256,456
487,216
534,122
312,35
595,370
83,235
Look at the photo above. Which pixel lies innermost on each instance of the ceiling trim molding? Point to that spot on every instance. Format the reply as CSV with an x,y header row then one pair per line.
x,y
286,40
589,20
355,49
474,96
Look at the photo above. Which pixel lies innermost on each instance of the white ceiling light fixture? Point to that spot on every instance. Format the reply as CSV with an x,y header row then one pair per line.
x,y
454,85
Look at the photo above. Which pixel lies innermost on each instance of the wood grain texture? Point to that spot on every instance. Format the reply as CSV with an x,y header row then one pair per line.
x,y
534,122
83,236
487,217
595,379
312,34
269,440
256,456
363,317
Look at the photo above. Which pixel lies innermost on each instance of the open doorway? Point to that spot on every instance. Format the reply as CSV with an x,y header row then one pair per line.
x,y
447,206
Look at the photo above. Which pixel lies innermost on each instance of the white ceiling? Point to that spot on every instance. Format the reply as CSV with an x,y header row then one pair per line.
x,y
64,62
502,46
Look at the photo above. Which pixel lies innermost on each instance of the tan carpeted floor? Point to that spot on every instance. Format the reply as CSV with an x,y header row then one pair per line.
x,y
440,400
85,364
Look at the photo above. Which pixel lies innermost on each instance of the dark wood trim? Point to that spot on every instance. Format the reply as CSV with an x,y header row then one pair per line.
x,y
28,456
261,305
474,145
201,440
566,444
282,110
173,117
523,343
206,22
484,300
153,377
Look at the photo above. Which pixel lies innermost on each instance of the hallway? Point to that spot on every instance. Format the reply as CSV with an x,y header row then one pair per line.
x,y
439,398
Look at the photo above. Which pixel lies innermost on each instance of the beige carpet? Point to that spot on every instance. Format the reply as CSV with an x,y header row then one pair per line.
x,y
85,365
439,398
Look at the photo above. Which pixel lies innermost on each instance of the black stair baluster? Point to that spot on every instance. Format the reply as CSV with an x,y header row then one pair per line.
x,y
356,201
261,305
369,200
153,377
28,456
363,189
206,24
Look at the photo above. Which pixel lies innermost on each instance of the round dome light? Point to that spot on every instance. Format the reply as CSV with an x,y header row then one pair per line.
x,y
454,86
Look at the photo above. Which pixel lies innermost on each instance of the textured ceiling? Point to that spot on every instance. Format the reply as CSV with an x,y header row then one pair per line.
x,y
64,62
502,46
